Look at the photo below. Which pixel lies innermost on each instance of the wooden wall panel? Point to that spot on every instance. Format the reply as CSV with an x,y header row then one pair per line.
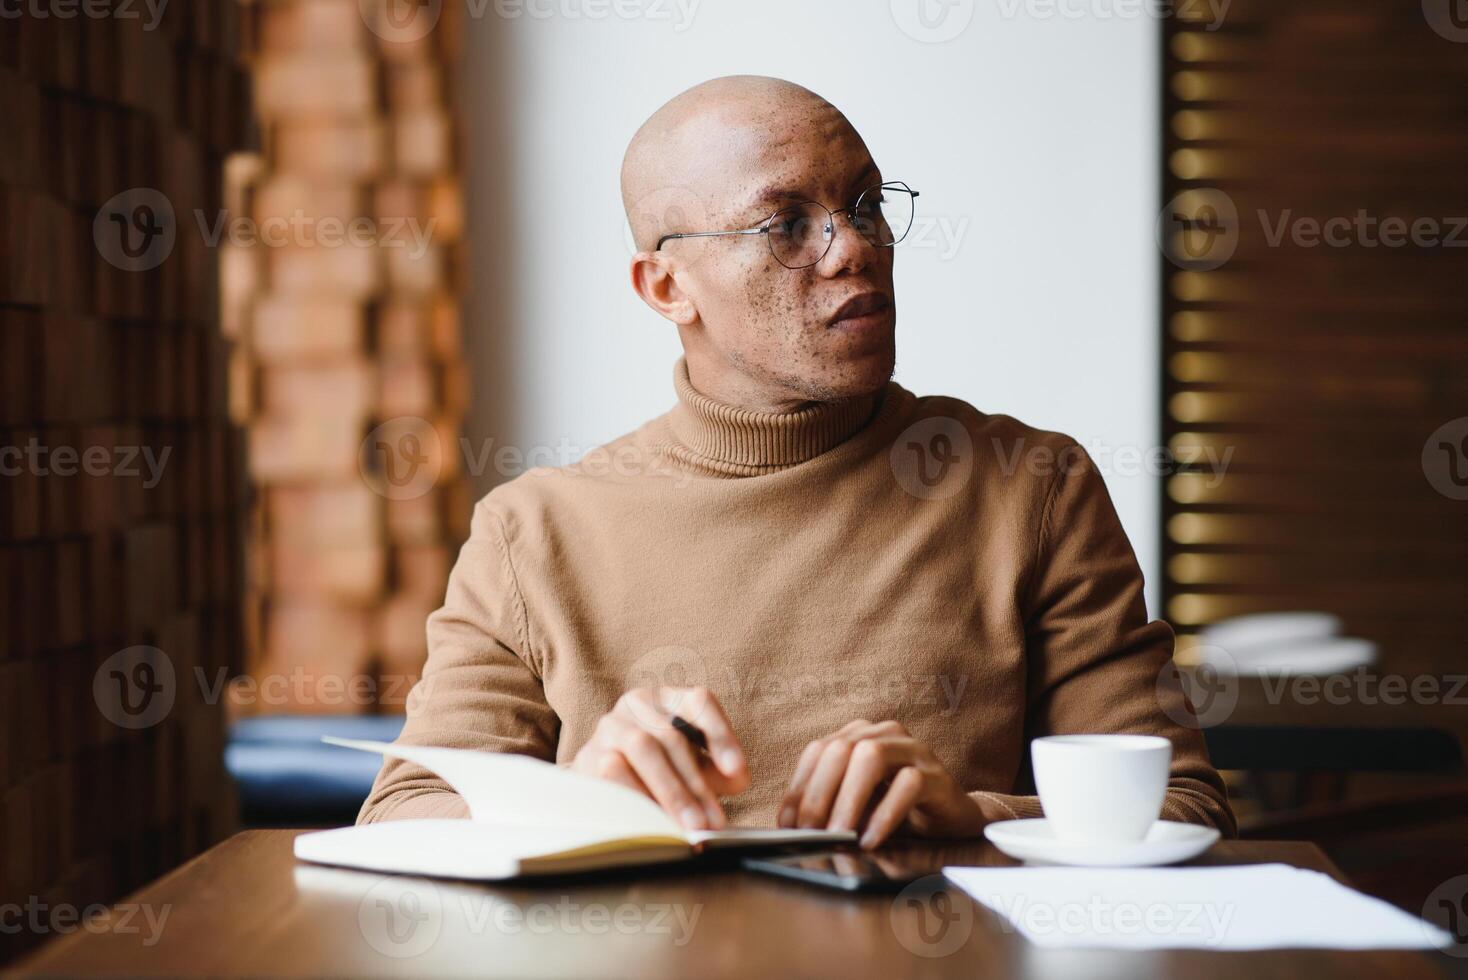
x,y
121,477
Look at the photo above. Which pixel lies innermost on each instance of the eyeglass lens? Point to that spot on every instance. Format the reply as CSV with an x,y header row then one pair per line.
x,y
801,234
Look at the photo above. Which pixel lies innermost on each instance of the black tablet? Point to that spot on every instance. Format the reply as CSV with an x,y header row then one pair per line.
x,y
847,869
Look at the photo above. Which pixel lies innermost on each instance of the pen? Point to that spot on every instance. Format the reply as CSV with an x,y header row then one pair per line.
x,y
692,732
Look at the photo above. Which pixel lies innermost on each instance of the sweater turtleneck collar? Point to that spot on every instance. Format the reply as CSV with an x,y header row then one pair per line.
x,y
726,436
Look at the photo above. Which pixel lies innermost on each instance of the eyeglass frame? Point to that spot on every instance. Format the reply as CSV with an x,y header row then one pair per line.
x,y
764,227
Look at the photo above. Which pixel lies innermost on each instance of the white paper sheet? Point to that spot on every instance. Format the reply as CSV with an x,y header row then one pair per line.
x,y
1257,906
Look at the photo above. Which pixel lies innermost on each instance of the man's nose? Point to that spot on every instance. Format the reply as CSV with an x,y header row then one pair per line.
x,y
850,250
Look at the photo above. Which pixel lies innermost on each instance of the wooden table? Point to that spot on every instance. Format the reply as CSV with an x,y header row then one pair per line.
x,y
247,907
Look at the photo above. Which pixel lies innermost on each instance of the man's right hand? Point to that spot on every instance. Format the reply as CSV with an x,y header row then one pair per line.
x,y
635,744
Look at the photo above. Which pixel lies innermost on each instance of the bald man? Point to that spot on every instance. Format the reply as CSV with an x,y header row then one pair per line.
x,y
868,602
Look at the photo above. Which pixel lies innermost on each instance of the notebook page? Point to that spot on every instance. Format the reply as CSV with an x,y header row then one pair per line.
x,y
516,789
474,849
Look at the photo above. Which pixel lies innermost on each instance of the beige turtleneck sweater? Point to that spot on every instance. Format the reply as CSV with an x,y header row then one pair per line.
x,y
882,557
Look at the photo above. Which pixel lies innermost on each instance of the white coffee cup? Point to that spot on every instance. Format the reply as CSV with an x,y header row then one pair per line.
x,y
1101,788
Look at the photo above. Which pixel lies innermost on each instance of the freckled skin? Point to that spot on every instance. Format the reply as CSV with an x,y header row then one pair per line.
x,y
756,333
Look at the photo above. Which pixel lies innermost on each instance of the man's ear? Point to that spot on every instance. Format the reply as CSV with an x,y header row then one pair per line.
x,y
653,280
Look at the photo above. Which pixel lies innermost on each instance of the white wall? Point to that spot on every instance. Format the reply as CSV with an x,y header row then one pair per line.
x,y
1031,134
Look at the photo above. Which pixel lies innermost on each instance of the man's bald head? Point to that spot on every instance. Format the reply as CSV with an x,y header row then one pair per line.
x,y
684,148
726,155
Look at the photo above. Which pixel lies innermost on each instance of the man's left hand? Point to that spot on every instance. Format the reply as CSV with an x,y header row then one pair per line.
x,y
874,777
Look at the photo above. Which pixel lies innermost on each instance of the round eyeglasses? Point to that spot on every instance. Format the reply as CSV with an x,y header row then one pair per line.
x,y
800,235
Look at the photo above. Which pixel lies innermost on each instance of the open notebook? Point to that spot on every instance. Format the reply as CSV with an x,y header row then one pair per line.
x,y
527,817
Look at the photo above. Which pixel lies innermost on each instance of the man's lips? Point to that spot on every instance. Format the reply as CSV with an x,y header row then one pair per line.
x,y
861,310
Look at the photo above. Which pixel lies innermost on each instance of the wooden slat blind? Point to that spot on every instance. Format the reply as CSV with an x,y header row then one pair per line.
x,y
1318,371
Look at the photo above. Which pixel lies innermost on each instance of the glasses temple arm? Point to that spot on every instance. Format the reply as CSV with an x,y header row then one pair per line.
x,y
709,234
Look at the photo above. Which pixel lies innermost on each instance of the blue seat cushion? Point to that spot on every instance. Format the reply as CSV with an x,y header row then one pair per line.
x,y
285,772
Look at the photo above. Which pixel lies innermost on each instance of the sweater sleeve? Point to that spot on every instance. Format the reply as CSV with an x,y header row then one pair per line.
x,y
1094,660
478,690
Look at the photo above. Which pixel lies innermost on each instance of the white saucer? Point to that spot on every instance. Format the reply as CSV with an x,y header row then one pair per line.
x,y
1167,842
